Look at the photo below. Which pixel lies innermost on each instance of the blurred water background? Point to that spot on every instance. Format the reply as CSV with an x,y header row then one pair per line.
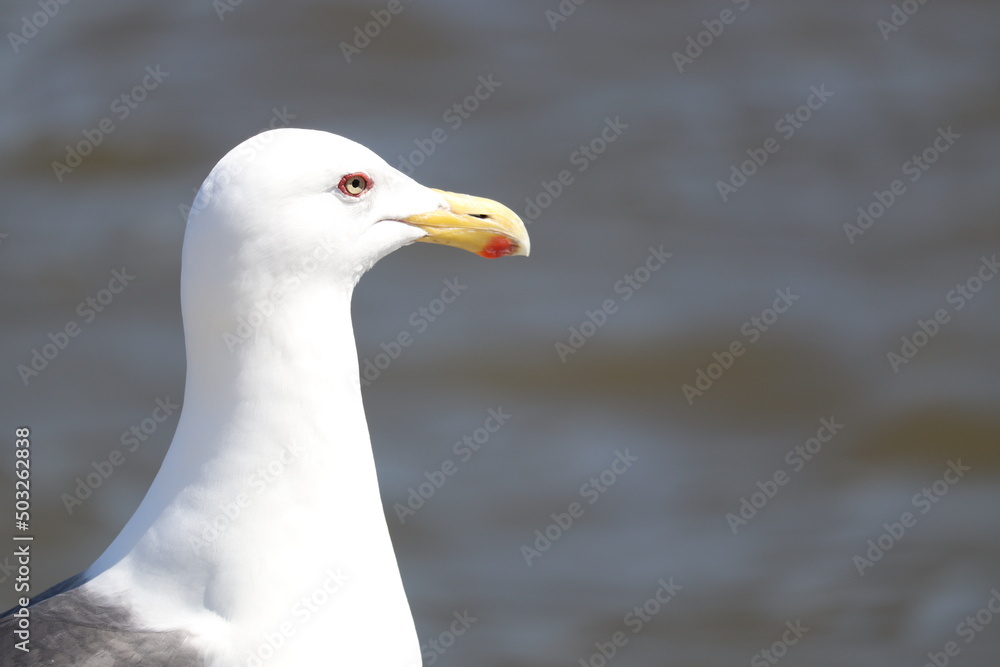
x,y
609,126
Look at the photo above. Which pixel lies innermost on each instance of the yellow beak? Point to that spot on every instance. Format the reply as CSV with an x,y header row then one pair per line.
x,y
478,225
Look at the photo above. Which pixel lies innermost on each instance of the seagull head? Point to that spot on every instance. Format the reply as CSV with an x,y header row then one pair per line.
x,y
289,199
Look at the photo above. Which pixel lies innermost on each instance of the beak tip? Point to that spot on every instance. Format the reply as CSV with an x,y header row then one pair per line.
x,y
502,246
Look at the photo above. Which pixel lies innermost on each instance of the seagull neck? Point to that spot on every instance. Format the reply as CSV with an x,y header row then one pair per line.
x,y
268,492
299,348
285,393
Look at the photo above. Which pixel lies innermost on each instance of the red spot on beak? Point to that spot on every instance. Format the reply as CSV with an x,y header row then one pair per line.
x,y
498,246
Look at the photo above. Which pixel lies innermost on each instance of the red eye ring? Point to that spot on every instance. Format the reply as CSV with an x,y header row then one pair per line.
x,y
355,185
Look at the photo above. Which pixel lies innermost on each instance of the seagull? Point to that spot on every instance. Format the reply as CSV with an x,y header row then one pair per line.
x,y
262,540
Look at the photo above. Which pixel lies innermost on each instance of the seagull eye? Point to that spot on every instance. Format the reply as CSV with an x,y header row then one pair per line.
x,y
353,185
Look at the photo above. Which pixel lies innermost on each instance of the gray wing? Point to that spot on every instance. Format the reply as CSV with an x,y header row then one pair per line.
x,y
68,626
